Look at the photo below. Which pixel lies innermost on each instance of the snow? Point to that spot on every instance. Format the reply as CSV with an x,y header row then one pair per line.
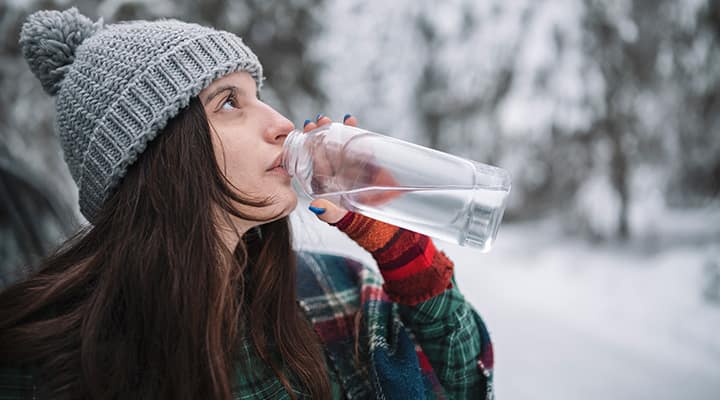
x,y
362,64
595,201
571,320
552,80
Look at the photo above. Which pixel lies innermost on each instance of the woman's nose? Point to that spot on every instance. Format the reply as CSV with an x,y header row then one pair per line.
x,y
279,128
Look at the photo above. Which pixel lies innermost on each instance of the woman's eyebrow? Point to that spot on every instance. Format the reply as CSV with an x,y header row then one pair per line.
x,y
238,92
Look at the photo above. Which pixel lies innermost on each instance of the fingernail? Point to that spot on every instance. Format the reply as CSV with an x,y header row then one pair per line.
x,y
307,121
317,210
346,117
317,117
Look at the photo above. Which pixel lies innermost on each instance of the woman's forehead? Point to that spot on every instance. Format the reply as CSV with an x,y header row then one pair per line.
x,y
238,78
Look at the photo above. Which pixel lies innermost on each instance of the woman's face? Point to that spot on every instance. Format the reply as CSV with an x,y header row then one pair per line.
x,y
247,139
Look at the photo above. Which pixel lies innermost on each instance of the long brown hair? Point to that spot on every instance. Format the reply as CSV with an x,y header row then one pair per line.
x,y
148,302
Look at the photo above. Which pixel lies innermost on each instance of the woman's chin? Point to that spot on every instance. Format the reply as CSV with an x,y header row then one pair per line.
x,y
284,206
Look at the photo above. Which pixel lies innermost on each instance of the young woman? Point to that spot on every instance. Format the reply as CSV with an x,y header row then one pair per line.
x,y
185,284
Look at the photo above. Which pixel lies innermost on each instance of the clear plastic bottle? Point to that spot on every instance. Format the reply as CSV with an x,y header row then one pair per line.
x,y
404,184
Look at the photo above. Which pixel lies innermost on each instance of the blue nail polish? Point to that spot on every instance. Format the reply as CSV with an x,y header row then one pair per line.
x,y
346,117
307,121
317,117
317,210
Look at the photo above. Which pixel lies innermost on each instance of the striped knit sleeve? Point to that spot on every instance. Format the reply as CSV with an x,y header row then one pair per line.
x,y
413,269
420,279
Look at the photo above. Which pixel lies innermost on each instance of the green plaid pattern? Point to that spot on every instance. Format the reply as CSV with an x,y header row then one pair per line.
x,y
16,383
450,333
452,350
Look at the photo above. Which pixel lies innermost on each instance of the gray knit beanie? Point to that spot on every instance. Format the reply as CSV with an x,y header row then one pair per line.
x,y
116,86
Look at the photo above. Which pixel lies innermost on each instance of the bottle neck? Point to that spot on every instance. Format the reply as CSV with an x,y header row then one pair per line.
x,y
292,150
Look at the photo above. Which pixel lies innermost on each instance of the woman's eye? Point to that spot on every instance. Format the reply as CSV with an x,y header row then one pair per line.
x,y
229,101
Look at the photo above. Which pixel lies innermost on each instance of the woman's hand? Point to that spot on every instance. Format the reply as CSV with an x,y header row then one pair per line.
x,y
332,213
334,171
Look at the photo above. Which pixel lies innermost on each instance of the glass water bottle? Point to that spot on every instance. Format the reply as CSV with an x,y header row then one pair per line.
x,y
424,190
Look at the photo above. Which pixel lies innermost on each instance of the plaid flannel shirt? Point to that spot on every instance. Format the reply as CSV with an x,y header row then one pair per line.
x,y
437,349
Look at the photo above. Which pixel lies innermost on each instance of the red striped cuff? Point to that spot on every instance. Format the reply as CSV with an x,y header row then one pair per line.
x,y
413,269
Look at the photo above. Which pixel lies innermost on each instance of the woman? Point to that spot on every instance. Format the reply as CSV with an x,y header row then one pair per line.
x,y
185,284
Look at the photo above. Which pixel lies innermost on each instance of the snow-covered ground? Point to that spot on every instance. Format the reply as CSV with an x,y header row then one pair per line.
x,y
571,320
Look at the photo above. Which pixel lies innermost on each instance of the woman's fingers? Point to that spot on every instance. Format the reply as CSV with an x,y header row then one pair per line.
x,y
324,209
309,125
350,120
327,211
323,120
327,159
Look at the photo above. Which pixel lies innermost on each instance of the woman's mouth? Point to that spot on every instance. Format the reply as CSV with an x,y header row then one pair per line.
x,y
279,170
277,167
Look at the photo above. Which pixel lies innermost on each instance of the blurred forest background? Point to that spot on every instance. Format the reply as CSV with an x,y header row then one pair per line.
x,y
606,113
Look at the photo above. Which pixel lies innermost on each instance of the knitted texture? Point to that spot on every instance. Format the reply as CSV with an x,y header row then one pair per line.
x,y
413,269
118,85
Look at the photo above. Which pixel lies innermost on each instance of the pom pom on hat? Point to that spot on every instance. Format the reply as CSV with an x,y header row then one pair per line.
x,y
49,40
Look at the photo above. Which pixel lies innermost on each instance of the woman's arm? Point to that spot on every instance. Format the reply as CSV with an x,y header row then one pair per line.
x,y
420,279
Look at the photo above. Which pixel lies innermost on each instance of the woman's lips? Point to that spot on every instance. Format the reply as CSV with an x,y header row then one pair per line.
x,y
276,163
279,170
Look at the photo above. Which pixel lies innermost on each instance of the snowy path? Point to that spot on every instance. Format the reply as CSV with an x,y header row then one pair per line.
x,y
572,321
